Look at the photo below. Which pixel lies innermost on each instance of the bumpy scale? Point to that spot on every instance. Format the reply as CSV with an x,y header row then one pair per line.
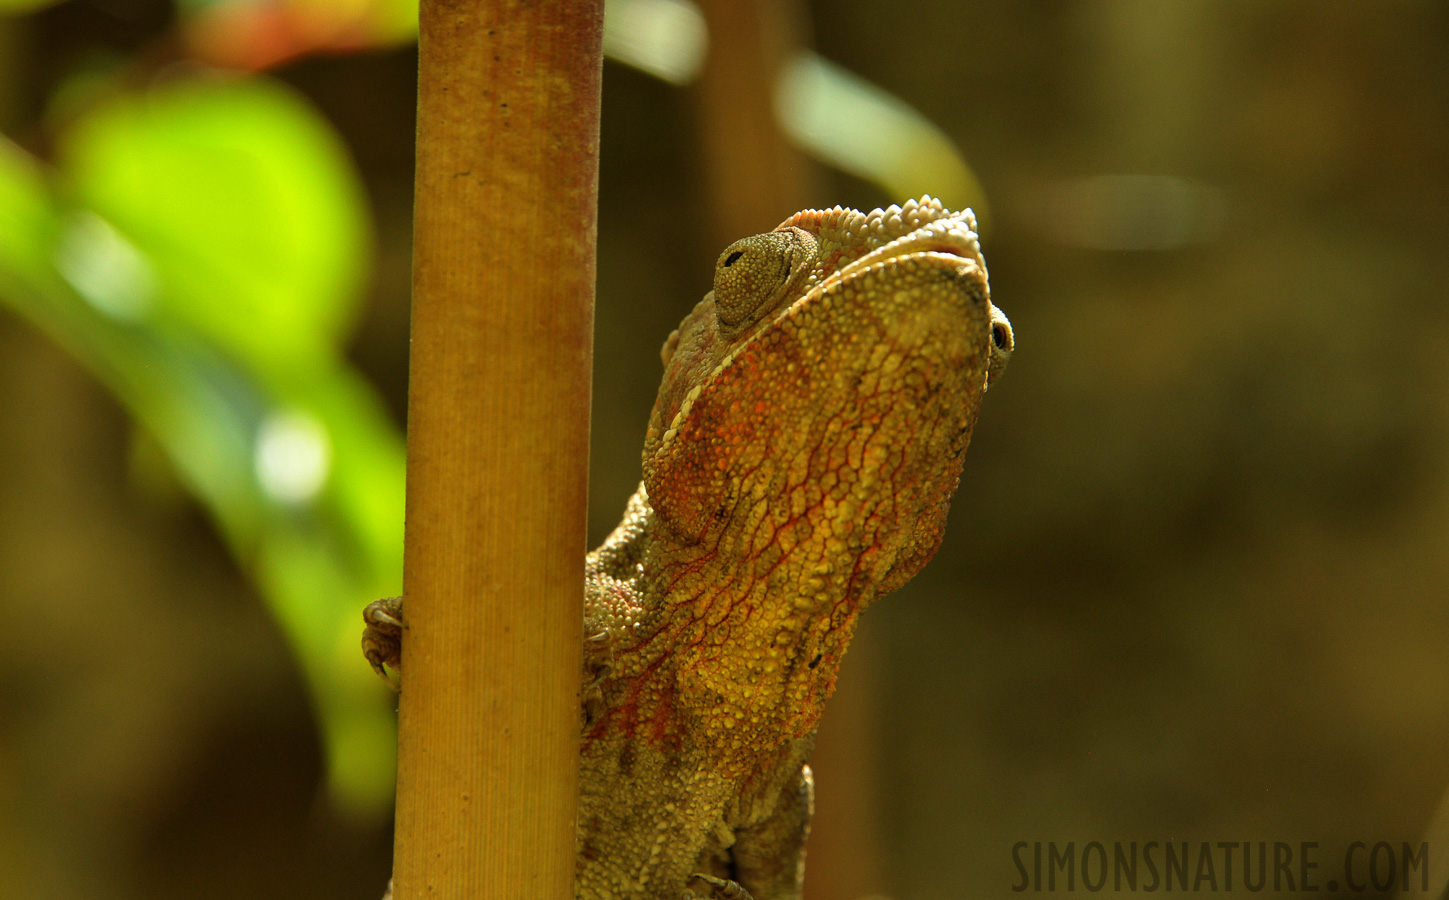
x,y
799,462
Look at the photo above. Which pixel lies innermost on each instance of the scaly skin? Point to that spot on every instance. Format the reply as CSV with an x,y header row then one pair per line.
x,y
799,462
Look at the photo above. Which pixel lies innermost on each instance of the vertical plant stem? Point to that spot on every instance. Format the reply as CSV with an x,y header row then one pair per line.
x,y
498,412
754,177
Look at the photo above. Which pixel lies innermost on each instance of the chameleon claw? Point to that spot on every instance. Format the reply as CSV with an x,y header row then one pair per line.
x,y
382,638
720,888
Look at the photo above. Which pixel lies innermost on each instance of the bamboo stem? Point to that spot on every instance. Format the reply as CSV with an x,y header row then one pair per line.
x,y
754,177
498,412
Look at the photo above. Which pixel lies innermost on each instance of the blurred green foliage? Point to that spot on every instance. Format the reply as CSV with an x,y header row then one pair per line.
x,y
17,6
200,247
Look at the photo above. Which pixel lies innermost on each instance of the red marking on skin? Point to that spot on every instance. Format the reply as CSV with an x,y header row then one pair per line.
x,y
722,611
599,729
832,262
627,714
636,688
692,567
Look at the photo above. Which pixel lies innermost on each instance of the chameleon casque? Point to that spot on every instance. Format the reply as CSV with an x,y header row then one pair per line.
x,y
799,462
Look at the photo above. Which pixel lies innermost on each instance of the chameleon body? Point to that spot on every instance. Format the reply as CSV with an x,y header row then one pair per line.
x,y
799,462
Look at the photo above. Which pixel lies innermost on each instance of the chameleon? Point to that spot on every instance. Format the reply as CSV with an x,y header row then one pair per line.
x,y
799,462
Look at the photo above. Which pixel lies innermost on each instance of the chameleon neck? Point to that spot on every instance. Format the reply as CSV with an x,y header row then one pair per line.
x,y
735,663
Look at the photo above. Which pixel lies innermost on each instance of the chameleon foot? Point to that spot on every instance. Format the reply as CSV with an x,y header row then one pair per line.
x,y
720,889
382,638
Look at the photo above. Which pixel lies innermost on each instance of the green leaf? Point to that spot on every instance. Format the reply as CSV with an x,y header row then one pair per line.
x,y
28,224
212,307
245,204
23,6
839,117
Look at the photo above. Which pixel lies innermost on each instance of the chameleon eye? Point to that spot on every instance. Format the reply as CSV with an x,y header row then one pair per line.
x,y
1002,342
753,274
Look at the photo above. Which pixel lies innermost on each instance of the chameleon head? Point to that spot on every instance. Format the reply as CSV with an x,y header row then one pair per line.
x,y
820,399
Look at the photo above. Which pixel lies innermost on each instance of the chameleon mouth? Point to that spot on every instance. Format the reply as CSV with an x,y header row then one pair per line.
x,y
891,233
953,236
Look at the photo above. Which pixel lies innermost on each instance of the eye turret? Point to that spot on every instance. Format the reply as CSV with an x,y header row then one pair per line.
x,y
753,274
1002,342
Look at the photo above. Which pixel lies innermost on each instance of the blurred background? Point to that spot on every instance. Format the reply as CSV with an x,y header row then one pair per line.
x,y
1193,587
